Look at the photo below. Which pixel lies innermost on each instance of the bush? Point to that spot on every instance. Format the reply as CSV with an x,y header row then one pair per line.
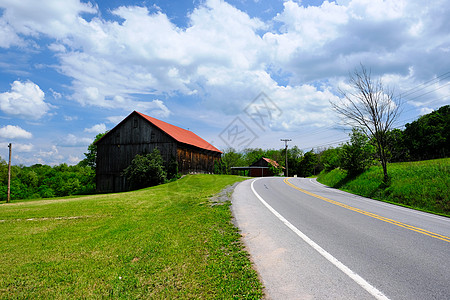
x,y
357,155
145,170
330,158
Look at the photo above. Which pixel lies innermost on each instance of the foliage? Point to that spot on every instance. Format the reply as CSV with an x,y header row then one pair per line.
x,y
91,155
252,155
230,158
42,181
276,171
145,170
308,164
429,136
357,155
172,168
165,242
397,149
421,185
330,158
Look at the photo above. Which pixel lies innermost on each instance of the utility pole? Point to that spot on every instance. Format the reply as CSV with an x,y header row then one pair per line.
x,y
9,175
285,143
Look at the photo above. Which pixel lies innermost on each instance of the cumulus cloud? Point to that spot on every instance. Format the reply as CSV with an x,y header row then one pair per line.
x,y
72,140
223,58
8,36
53,18
23,148
98,128
25,100
14,132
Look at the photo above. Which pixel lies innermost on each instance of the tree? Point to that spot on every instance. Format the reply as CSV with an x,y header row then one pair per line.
x,y
357,155
330,158
429,136
231,158
145,170
91,154
372,107
308,164
396,145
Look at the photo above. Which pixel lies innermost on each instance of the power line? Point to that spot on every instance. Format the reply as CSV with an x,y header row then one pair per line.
x,y
426,84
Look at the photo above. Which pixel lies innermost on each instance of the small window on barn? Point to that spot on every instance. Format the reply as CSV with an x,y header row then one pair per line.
x,y
135,123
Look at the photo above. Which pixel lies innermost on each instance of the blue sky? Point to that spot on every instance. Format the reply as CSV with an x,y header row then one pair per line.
x,y
72,69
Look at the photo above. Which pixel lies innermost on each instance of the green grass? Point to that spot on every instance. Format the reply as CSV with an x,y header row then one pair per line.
x,y
163,242
422,185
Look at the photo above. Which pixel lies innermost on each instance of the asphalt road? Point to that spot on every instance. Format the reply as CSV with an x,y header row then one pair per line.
x,y
308,241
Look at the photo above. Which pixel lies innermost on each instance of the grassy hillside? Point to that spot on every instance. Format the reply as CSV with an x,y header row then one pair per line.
x,y
163,242
422,185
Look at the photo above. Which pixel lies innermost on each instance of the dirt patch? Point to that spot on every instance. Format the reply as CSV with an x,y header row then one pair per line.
x,y
224,195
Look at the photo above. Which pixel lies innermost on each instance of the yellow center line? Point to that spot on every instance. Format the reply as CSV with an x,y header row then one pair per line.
x,y
397,223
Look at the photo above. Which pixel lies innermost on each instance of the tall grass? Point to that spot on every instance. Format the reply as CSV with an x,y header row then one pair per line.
x,y
423,185
163,242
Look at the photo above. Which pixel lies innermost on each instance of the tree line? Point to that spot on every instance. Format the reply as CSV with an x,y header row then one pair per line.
x,y
43,181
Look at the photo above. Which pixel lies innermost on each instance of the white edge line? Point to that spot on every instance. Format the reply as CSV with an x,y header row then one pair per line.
x,y
358,279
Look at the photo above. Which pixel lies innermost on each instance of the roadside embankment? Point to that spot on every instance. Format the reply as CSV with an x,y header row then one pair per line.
x,y
422,185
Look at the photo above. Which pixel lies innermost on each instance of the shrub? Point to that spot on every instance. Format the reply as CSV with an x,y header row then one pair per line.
x,y
145,170
357,155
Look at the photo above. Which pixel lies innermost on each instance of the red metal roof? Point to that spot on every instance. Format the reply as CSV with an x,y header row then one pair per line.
x,y
272,162
180,135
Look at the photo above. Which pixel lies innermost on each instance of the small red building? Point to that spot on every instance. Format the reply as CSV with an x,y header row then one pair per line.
x,y
260,168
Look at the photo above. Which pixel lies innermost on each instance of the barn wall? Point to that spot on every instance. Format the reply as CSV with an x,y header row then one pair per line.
x,y
116,150
191,159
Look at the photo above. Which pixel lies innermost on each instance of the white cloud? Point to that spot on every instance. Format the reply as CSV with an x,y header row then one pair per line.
x,y
55,94
14,132
51,153
25,100
23,147
115,119
73,160
54,18
8,36
223,57
70,118
72,140
98,128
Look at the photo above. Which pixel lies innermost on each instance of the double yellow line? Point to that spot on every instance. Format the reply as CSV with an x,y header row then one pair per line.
x,y
400,224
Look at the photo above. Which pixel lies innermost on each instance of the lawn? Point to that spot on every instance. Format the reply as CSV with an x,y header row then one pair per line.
x,y
163,242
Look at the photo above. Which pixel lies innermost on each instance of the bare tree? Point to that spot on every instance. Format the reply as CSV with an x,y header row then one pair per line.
x,y
372,107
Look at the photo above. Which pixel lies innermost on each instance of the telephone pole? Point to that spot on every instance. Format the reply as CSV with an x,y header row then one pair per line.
x,y
286,144
9,175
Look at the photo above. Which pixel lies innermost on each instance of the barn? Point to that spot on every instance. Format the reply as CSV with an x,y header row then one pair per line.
x,y
141,134
260,168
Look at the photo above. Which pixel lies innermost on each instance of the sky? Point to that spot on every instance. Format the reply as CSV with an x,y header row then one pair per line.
x,y
238,73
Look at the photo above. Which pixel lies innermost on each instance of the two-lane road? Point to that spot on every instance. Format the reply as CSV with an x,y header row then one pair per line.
x,y
309,241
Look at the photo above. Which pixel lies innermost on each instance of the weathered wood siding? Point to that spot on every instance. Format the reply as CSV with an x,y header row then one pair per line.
x,y
191,159
116,150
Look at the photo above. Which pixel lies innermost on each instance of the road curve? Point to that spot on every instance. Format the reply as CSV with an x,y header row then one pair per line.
x,y
309,241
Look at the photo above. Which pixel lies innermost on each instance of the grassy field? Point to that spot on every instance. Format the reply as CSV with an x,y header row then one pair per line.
x,y
163,242
423,185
